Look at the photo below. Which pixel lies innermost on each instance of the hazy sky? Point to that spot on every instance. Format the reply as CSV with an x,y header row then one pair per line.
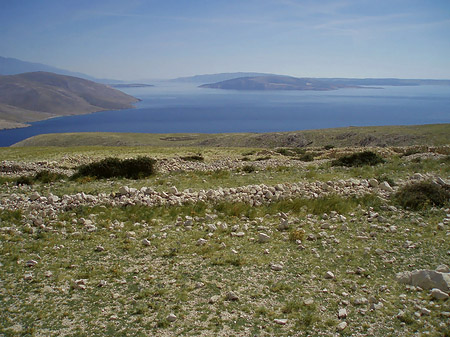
x,y
137,39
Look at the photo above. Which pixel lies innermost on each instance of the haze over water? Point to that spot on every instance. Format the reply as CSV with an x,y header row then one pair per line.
x,y
184,108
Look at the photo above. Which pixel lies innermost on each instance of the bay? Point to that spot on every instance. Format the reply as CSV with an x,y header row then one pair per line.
x,y
183,108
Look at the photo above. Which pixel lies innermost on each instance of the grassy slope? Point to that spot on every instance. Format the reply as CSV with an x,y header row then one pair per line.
x,y
174,275
435,134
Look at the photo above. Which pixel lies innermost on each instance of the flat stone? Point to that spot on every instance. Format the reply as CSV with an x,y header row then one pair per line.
x,y
262,237
276,267
281,321
439,294
425,279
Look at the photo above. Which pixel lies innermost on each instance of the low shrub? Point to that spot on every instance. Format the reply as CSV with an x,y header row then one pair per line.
x,y
359,159
48,177
196,157
116,168
24,180
306,157
328,147
421,195
249,168
42,176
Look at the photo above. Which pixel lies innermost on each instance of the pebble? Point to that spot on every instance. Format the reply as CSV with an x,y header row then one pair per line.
x,y
262,237
231,296
276,267
201,242
31,263
281,321
171,317
146,242
341,326
329,275
342,313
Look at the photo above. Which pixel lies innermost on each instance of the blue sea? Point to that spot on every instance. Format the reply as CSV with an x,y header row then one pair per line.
x,y
179,108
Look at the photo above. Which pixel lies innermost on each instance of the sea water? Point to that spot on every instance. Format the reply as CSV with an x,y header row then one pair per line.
x,y
184,108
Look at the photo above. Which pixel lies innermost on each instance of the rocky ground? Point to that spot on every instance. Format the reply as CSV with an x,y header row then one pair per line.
x,y
213,248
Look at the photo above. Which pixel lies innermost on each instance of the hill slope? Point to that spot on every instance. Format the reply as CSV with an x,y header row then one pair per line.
x,y
437,134
39,95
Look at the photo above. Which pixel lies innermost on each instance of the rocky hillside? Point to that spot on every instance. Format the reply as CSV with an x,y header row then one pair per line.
x,y
39,95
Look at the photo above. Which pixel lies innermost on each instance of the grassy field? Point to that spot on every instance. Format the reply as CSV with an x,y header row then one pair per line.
x,y
436,134
109,281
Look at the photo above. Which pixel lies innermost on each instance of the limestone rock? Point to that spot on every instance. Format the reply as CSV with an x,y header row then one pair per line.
x,y
329,275
262,237
281,321
438,294
342,313
171,317
385,186
425,279
341,326
231,296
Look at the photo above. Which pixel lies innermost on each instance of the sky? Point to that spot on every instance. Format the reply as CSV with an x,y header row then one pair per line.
x,y
157,39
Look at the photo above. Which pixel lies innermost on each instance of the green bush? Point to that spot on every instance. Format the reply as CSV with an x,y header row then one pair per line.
x,y
24,180
196,157
249,168
43,177
328,147
116,168
47,176
421,195
359,159
306,157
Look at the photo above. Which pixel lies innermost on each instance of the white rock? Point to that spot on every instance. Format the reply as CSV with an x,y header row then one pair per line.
x,y
284,224
385,186
342,313
341,326
34,196
211,227
329,275
425,312
276,267
201,242
443,268
281,321
173,190
438,294
425,279
373,182
171,317
146,242
31,263
231,296
124,190
262,237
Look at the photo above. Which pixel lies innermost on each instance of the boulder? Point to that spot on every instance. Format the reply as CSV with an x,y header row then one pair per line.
x,y
426,279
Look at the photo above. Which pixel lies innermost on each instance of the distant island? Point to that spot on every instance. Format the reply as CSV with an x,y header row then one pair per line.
x,y
130,85
276,82
279,82
35,96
